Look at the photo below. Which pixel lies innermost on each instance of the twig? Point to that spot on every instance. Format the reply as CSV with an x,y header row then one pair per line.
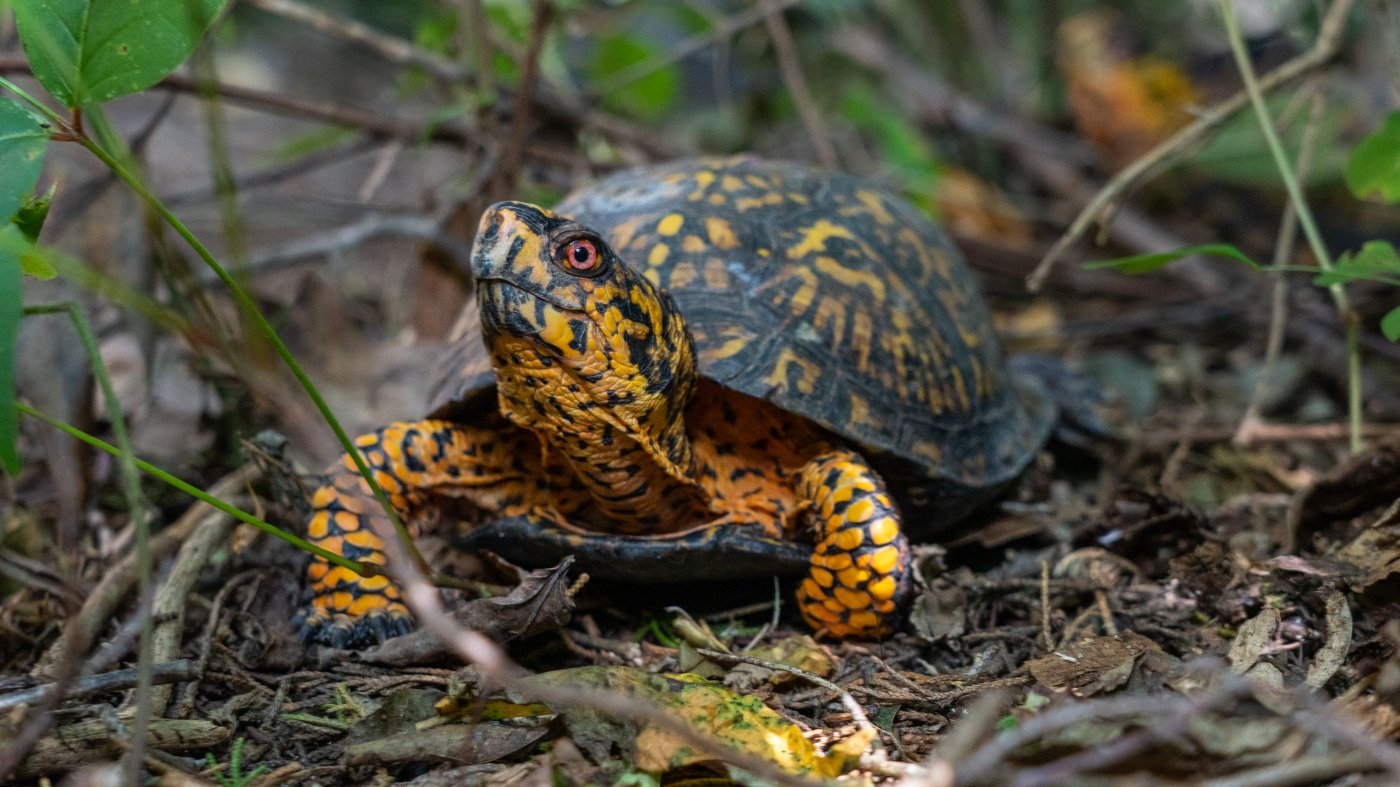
x,y
109,594
336,240
167,672
857,712
1338,725
1323,49
791,68
991,757
1097,758
40,716
185,708
721,29
1053,156
168,609
479,25
281,172
942,104
508,167
1304,770
1046,637
497,669
294,107
1266,432
1306,222
395,50
560,101
1283,252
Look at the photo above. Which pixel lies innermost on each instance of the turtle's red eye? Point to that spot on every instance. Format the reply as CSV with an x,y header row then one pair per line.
x,y
579,255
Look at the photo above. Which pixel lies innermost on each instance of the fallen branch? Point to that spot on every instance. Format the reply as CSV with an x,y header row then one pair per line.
x,y
167,672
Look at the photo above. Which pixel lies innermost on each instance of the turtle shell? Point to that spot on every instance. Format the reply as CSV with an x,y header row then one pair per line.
x,y
829,297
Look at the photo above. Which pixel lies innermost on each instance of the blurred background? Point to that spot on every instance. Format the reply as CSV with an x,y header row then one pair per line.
x,y
336,155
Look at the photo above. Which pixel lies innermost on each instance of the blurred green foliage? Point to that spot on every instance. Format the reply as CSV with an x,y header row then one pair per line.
x,y
1373,171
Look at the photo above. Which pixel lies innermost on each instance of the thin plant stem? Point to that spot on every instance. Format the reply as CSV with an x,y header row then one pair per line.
x,y
1305,217
244,302
131,489
363,569
1284,246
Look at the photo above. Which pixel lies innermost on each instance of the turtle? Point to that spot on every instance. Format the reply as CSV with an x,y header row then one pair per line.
x,y
698,370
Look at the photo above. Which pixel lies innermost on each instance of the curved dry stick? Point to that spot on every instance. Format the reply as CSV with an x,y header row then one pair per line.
x,y
1322,51
497,669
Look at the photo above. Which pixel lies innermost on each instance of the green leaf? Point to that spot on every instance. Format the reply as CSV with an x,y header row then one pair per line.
x,y
23,139
40,262
31,215
1146,263
1376,261
12,246
1390,324
90,51
904,148
1374,166
648,97
1238,154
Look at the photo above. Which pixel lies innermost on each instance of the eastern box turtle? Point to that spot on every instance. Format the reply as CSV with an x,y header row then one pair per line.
x,y
704,369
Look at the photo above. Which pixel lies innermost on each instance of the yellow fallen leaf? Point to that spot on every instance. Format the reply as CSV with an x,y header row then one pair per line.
x,y
742,723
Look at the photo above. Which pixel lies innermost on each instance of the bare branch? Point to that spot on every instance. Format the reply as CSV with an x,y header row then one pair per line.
x,y
796,81
1322,51
395,50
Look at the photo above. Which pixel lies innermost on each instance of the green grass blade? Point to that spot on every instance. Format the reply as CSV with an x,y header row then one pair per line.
x,y
1147,263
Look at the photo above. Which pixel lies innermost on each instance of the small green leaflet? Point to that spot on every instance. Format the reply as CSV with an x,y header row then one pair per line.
x,y
1374,167
90,51
23,140
648,97
1147,263
1390,324
31,216
12,247
1376,261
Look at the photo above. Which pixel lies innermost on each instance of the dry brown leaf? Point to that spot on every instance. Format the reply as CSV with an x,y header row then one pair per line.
x,y
1123,104
734,720
1254,637
1091,665
539,603
969,205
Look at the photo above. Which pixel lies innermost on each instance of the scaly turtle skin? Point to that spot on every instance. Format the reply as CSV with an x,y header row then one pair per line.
x,y
701,369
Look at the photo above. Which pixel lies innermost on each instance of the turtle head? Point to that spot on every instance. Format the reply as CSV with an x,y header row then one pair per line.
x,y
575,333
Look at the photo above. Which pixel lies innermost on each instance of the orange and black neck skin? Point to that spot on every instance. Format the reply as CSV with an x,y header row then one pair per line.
x,y
594,359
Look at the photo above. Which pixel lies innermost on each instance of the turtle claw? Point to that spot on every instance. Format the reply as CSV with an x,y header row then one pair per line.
x,y
343,632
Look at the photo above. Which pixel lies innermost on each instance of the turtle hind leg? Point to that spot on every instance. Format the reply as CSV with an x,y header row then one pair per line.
x,y
411,461
861,568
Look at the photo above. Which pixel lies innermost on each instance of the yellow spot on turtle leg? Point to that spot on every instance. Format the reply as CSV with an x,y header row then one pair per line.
x,y
860,569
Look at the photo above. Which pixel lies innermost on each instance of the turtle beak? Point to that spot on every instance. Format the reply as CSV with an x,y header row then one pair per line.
x,y
504,308
506,229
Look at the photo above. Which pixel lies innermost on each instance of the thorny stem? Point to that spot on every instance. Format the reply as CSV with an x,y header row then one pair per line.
x,y
244,302
1305,218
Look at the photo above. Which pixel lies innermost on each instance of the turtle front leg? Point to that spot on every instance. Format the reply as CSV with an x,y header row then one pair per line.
x,y
411,461
861,569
